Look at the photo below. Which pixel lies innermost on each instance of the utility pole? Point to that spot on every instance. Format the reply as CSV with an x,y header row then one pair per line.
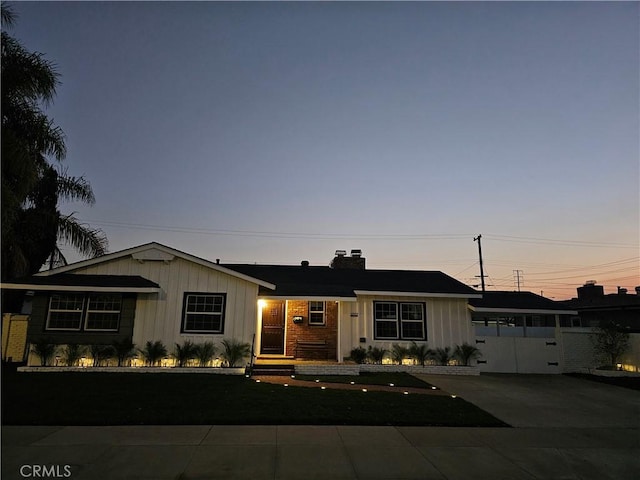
x,y
477,239
517,273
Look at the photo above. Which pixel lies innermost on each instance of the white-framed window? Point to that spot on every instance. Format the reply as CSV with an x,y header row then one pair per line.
x,y
65,311
399,320
103,312
412,321
79,311
203,313
386,319
317,313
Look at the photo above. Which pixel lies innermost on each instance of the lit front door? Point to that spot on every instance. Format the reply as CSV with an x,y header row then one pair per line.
x,y
272,328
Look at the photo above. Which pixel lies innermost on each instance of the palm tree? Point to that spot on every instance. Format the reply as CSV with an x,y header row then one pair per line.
x,y
376,354
465,353
234,351
399,353
45,350
72,353
31,187
420,353
442,355
123,350
153,352
185,352
205,353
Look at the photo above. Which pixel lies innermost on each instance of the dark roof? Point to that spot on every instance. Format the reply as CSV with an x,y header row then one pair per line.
x,y
330,282
80,280
516,301
611,301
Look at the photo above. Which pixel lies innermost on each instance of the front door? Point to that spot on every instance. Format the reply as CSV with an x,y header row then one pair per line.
x,y
272,328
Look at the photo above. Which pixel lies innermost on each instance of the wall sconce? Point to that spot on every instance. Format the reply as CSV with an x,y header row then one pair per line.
x,y
297,319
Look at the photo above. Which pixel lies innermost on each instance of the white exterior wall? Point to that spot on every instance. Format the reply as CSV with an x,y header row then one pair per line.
x,y
448,323
580,356
159,316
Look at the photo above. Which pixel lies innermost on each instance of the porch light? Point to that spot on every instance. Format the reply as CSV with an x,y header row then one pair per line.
x,y
262,303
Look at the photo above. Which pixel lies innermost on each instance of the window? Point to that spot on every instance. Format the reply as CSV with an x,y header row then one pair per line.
x,y
72,311
404,320
316,313
412,321
203,313
386,319
65,311
103,312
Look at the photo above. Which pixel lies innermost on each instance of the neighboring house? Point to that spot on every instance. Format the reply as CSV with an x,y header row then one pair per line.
x,y
153,292
519,332
594,307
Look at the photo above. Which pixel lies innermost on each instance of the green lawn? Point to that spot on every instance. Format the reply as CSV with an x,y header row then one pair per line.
x,y
72,398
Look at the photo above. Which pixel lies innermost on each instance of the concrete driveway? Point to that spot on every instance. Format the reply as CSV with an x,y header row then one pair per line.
x,y
546,400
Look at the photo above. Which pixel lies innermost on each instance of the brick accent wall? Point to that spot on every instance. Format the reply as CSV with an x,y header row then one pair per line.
x,y
303,332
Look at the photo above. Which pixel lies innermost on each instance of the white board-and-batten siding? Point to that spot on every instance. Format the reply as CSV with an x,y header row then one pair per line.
x,y
159,316
448,322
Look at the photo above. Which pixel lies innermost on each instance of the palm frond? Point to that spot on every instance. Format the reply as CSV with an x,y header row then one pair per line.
x,y
88,241
74,188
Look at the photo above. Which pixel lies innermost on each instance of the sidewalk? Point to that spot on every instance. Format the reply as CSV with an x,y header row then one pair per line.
x,y
322,452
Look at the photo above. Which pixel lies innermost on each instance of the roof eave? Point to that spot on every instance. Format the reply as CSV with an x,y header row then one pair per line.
x,y
78,288
388,293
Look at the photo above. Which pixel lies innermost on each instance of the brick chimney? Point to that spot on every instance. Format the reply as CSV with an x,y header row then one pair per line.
x,y
354,262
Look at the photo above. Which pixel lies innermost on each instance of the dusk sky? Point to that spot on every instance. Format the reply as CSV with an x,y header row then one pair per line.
x,y
279,132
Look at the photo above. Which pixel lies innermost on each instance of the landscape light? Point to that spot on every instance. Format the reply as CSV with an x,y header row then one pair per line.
x,y
364,389
353,383
406,393
317,381
323,388
257,381
453,396
433,388
293,376
391,385
286,384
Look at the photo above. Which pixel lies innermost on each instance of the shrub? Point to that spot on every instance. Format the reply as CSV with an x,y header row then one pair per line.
x,y
100,353
153,352
610,341
234,352
399,353
376,354
72,353
358,355
123,350
45,349
185,352
420,353
205,353
442,355
465,353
